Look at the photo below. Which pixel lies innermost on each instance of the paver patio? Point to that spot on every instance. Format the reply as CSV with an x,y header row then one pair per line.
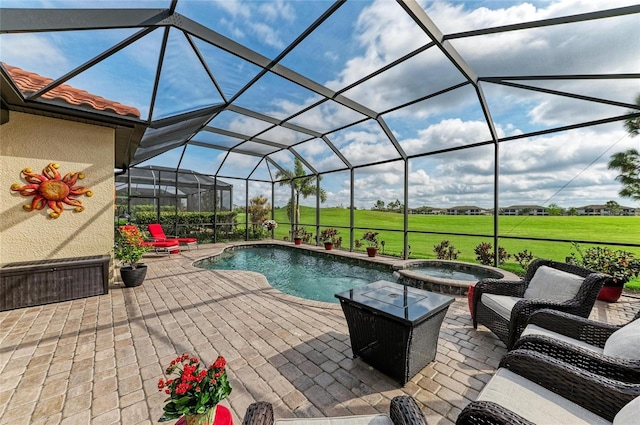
x,y
98,360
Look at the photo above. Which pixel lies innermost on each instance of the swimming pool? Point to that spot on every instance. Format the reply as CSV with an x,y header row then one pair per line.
x,y
298,272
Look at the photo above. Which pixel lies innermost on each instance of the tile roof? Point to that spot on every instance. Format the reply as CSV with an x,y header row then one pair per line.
x,y
30,82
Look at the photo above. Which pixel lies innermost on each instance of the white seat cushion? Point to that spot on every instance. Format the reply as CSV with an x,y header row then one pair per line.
x,y
537,330
339,420
625,342
501,304
552,284
534,402
629,414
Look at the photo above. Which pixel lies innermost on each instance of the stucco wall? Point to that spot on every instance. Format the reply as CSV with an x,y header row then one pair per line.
x,y
30,141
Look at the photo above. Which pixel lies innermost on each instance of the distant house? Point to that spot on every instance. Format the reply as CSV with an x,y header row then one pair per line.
x,y
466,210
629,211
603,210
524,210
424,210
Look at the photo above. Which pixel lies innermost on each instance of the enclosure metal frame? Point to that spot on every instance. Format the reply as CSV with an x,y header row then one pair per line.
x,y
39,20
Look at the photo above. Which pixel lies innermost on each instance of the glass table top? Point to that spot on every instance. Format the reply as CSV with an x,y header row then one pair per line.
x,y
397,301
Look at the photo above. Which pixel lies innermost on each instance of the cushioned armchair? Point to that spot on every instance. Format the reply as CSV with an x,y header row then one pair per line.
x,y
403,410
531,388
505,306
608,350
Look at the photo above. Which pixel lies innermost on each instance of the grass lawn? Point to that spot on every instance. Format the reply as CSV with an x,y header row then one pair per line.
x,y
390,227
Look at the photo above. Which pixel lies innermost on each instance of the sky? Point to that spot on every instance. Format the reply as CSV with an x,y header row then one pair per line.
x,y
568,168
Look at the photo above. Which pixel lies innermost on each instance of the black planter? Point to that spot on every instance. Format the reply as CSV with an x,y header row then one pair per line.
x,y
133,277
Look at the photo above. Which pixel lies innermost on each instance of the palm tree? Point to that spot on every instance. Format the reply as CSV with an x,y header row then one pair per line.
x,y
304,186
633,124
628,164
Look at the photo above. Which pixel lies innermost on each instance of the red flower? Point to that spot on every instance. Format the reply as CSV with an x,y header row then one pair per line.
x,y
183,388
195,385
220,363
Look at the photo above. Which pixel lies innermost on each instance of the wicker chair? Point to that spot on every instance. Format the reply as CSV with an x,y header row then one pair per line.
x,y
509,325
531,388
580,342
403,410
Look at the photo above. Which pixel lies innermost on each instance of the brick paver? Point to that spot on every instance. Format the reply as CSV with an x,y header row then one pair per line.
x,y
97,360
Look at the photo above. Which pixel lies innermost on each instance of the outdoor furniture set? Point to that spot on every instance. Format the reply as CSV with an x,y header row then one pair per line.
x,y
505,306
561,367
159,242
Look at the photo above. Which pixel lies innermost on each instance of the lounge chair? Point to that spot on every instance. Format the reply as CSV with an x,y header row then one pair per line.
x,y
505,306
157,234
168,246
531,388
403,410
609,350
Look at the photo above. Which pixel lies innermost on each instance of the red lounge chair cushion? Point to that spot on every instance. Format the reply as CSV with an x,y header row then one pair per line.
x,y
158,234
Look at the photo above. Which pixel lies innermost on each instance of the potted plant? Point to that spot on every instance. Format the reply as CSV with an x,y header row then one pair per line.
x,y
269,225
197,390
129,249
372,243
328,236
621,265
301,235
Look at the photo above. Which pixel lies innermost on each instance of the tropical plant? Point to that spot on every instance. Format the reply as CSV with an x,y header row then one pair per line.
x,y
371,238
446,251
302,185
485,255
302,233
622,265
130,246
328,235
524,258
258,210
196,390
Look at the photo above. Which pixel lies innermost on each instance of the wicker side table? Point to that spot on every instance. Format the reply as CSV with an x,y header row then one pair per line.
x,y
393,327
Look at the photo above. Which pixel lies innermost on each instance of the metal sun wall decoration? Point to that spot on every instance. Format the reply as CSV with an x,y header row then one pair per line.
x,y
50,188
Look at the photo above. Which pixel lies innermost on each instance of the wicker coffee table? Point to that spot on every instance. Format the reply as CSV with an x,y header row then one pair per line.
x,y
394,327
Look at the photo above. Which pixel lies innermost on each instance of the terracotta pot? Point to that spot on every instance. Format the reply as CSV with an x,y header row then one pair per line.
x,y
610,294
470,298
328,246
372,251
297,241
133,277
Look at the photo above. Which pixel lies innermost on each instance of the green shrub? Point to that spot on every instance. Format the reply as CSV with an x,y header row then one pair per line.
x,y
524,258
446,251
485,255
622,265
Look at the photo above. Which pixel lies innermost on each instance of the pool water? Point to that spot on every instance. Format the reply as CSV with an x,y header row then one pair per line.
x,y
299,273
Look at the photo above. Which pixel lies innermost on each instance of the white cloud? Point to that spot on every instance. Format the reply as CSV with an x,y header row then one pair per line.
x,y
278,9
35,53
447,134
235,8
269,35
